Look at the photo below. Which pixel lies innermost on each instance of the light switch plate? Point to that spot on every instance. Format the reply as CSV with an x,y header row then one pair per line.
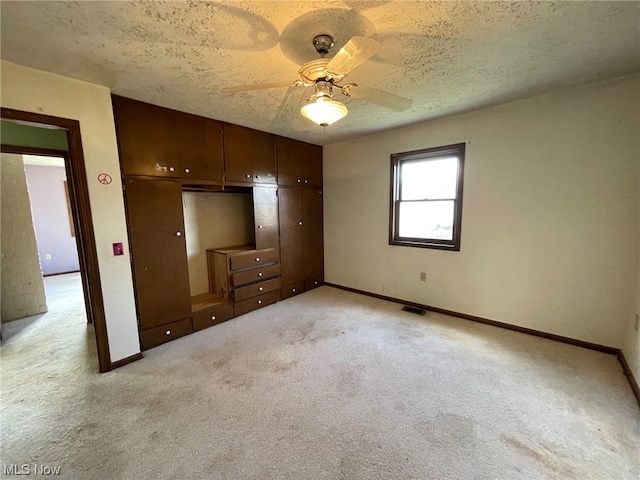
x,y
118,249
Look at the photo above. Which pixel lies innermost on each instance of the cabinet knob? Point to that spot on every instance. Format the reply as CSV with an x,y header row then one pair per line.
x,y
213,317
306,181
168,332
186,170
259,226
257,259
259,274
299,180
248,176
257,176
178,234
260,289
299,223
259,302
293,290
171,169
315,283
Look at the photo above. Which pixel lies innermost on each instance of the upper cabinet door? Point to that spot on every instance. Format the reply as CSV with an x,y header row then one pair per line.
x,y
159,142
299,163
312,166
263,154
214,159
289,164
237,153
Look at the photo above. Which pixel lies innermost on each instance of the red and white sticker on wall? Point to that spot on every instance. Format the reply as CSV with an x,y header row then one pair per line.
x,y
105,178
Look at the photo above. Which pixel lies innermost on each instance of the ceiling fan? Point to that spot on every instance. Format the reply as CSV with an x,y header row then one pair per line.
x,y
325,76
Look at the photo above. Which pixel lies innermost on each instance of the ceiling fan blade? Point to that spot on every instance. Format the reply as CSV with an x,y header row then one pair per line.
x,y
379,97
356,51
289,109
257,86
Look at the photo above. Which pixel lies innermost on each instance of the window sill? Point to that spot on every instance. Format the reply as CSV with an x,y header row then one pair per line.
x,y
425,244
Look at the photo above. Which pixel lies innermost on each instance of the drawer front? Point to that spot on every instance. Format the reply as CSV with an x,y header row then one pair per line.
x,y
246,306
255,275
254,258
159,335
313,282
256,289
292,289
212,316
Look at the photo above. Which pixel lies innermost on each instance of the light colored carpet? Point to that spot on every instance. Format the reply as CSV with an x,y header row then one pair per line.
x,y
326,385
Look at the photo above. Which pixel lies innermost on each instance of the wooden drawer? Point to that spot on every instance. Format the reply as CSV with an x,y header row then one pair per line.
x,y
246,306
292,289
159,335
255,275
313,282
256,289
253,258
212,316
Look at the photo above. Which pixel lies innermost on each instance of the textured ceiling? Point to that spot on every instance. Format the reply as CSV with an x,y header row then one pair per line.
x,y
448,57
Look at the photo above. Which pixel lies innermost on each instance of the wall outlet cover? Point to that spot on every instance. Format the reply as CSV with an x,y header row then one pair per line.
x,y
423,276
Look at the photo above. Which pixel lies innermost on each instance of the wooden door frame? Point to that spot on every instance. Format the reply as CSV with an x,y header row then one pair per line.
x,y
81,210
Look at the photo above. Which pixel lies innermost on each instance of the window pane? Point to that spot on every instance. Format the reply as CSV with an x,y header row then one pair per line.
x,y
430,179
427,220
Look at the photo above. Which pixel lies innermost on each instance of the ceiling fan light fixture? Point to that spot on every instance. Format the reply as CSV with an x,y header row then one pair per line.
x,y
324,111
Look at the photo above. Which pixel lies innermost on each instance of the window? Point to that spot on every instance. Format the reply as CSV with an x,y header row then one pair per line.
x,y
426,193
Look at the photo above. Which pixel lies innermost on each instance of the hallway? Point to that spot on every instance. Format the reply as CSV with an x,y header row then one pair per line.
x,y
70,339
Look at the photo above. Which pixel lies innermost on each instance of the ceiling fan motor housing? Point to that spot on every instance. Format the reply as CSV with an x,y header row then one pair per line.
x,y
323,44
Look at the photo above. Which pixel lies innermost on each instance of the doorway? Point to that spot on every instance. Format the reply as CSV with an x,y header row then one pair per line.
x,y
79,209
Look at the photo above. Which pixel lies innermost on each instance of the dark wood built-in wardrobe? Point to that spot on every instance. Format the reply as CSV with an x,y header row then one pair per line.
x,y
165,153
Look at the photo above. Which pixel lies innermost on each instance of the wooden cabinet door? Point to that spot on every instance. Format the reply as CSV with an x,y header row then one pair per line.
x,y
263,155
265,213
160,142
312,166
156,231
289,164
188,146
291,223
237,153
313,246
144,133
214,161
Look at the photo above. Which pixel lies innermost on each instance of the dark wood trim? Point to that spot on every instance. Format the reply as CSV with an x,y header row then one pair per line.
x,y
376,295
126,361
529,331
396,188
37,119
629,374
79,195
59,273
494,323
45,152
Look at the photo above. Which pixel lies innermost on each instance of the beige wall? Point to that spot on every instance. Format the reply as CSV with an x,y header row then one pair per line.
x,y
40,92
631,345
550,215
23,292
214,220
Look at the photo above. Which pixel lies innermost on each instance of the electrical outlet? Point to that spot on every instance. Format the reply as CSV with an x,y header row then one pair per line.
x,y
423,276
637,324
47,256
